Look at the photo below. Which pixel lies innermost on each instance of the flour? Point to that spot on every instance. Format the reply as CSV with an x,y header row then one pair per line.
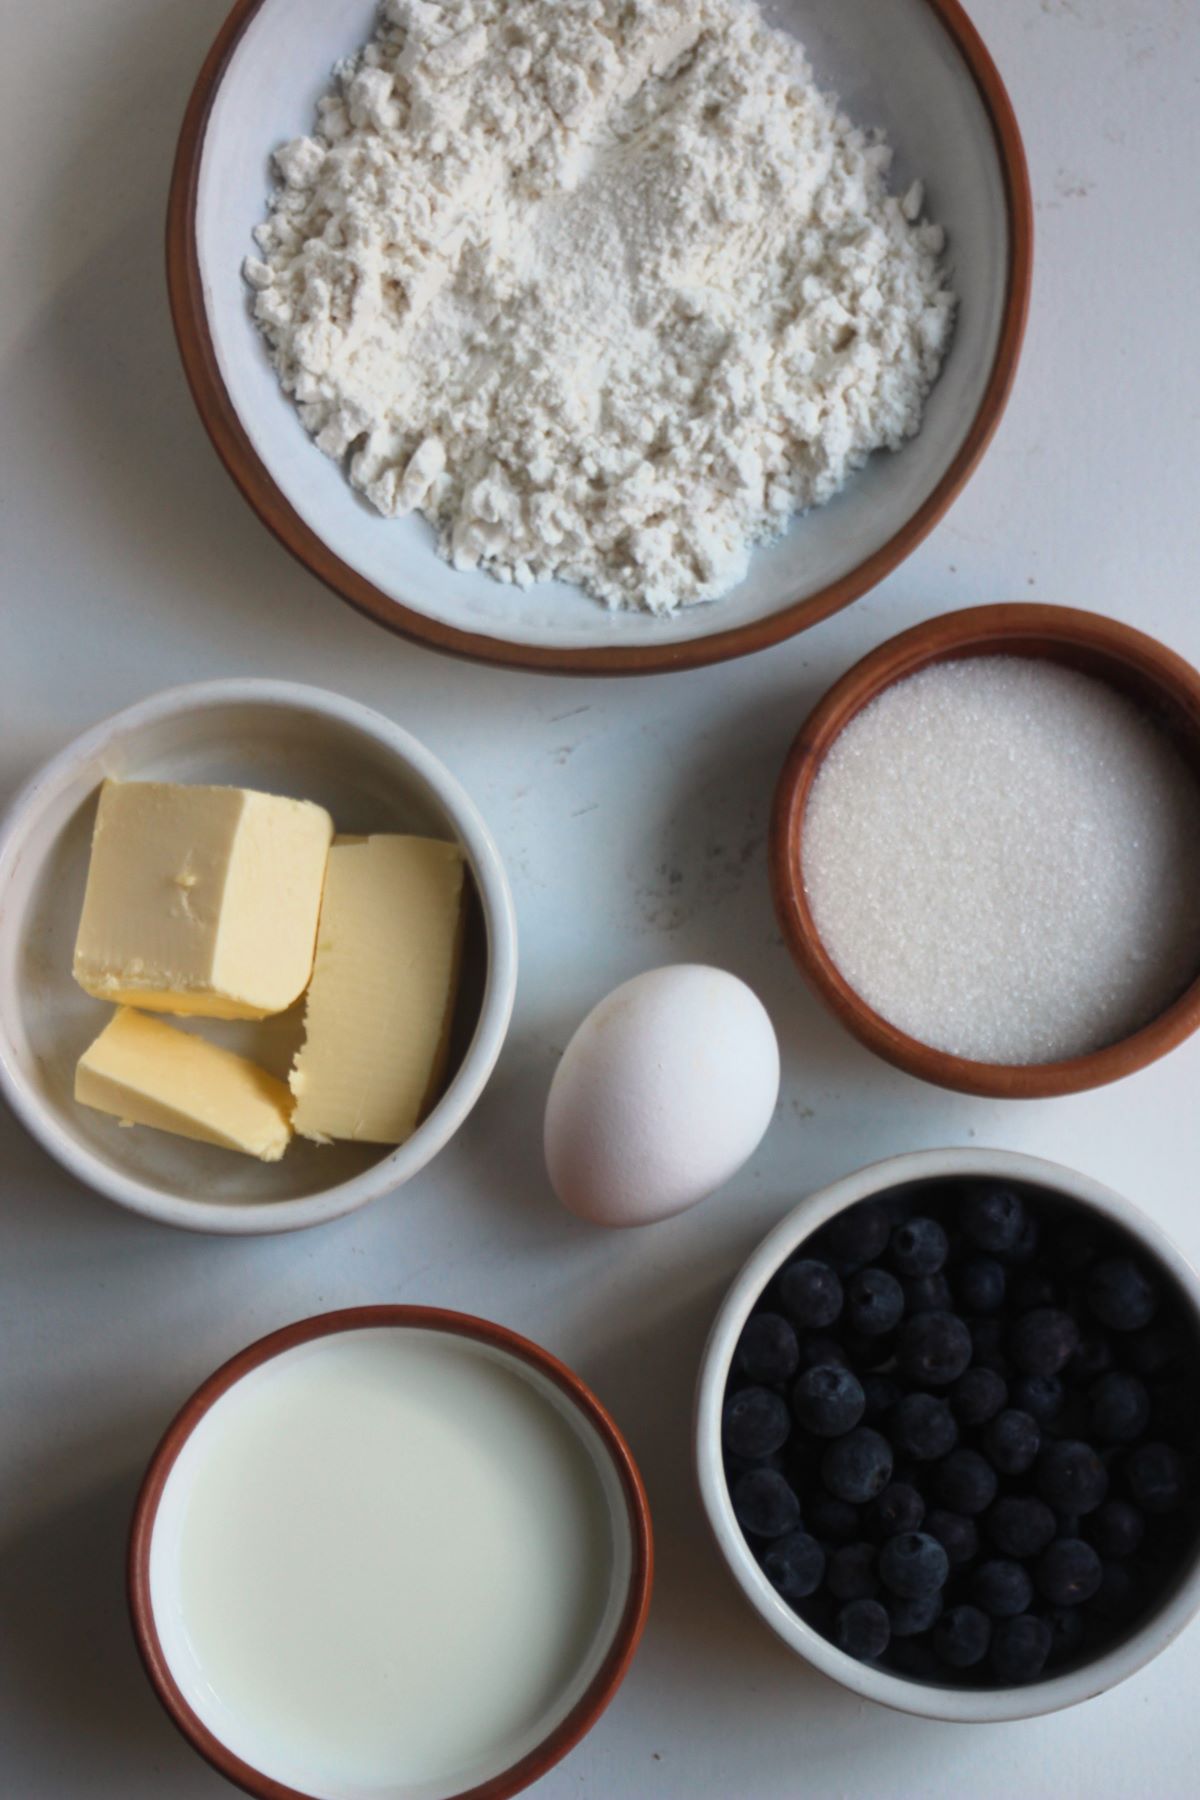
x,y
607,289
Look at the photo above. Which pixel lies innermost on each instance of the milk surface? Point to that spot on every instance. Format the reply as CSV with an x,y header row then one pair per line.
x,y
387,1563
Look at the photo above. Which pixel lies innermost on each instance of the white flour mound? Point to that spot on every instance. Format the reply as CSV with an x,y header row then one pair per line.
x,y
607,289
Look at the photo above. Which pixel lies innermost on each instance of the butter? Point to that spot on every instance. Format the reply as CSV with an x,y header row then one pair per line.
x,y
377,1020
146,1072
201,900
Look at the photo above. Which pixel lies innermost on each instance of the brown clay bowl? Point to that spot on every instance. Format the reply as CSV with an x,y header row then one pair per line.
x,y
1162,684
918,68
159,1618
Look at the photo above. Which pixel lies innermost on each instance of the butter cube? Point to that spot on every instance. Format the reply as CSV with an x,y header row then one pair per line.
x,y
147,1072
377,1019
201,900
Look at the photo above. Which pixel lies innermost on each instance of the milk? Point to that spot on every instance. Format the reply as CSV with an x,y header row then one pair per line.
x,y
388,1562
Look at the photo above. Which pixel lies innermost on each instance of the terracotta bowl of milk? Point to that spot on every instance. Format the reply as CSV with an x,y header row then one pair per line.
x,y
391,1552
985,851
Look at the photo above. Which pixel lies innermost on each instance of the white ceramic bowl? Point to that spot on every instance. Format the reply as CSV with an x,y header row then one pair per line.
x,y
287,739
959,1704
915,67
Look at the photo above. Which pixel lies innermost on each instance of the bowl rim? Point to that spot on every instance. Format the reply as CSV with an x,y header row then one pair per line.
x,y
612,1671
232,443
1008,629
955,1705
393,1168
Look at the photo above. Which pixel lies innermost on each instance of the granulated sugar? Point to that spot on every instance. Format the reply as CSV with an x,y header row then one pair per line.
x,y
1003,858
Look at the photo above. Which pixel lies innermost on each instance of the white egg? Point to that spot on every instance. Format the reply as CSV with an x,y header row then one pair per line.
x,y
663,1092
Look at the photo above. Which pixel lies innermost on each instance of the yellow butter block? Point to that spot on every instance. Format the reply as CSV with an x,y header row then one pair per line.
x,y
147,1072
201,900
377,1018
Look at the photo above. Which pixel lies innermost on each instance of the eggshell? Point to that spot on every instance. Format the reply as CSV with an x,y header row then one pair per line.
x,y
661,1095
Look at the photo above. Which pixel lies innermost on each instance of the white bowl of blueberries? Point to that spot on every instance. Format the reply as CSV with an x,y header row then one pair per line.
x,y
947,1439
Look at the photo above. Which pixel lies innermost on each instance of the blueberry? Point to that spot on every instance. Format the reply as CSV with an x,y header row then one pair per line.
x,y
862,1629
957,1535
754,1423
794,1565
1020,1525
1121,1295
1026,1246
1119,1408
767,1350
1070,1477
1068,1630
810,1294
830,1518
1011,1441
828,1401
1117,1528
858,1466
1001,1587
923,1427
965,1482
977,1396
1093,1358
899,1508
934,1348
816,1348
850,1572
881,1393
1020,1648
764,1504
918,1247
1041,1396
980,1285
911,1615
1043,1341
854,1237
1068,1573
913,1564
926,1293
994,1218
1155,1477
874,1302
961,1637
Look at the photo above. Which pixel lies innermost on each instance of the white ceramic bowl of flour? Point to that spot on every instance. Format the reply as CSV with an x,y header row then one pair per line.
x,y
282,738
916,68
390,1554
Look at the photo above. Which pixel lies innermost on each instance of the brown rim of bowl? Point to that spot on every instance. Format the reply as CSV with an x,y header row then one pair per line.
x,y
608,1677
1116,653
235,450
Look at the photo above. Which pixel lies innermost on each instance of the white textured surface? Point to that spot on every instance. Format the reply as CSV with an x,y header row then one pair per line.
x,y
631,817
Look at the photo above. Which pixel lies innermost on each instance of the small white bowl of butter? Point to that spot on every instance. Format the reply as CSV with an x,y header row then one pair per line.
x,y
367,780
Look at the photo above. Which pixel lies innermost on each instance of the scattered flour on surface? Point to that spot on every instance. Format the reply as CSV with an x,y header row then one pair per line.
x,y
1003,858
607,289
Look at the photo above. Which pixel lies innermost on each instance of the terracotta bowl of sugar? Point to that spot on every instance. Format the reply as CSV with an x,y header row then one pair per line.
x,y
985,851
